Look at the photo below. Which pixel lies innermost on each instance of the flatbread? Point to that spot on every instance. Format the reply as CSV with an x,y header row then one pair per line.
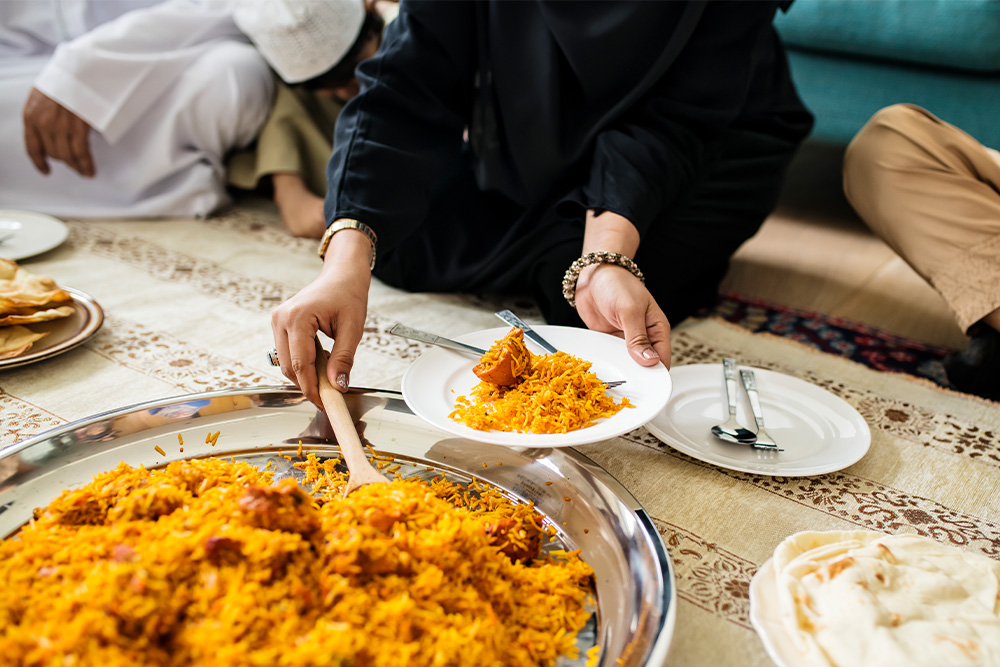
x,y
26,298
858,598
22,289
29,315
17,340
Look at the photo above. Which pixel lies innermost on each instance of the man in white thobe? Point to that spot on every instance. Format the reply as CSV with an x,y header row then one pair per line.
x,y
132,105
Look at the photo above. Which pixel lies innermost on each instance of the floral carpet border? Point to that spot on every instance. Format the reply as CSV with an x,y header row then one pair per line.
x,y
861,343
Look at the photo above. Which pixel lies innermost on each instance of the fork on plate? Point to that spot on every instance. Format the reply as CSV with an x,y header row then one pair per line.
x,y
764,440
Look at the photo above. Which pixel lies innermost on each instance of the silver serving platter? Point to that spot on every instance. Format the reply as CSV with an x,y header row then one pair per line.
x,y
635,589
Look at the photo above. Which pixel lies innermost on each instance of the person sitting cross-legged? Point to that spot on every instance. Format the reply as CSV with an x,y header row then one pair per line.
x,y
932,192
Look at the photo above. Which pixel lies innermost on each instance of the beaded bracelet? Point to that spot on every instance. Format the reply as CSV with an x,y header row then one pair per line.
x,y
348,223
600,257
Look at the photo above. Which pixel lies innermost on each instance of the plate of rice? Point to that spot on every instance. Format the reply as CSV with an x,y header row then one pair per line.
x,y
212,529
560,403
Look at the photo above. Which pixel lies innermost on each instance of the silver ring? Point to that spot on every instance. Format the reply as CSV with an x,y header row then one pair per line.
x,y
272,356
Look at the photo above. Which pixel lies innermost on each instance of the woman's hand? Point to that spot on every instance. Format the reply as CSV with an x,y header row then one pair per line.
x,y
610,299
336,303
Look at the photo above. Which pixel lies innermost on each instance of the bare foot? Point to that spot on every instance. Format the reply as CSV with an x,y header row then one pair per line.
x,y
300,209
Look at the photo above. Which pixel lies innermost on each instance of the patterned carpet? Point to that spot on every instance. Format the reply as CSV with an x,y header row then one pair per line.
x,y
859,342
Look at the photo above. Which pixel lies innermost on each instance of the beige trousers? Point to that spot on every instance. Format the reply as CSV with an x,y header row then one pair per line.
x,y
932,193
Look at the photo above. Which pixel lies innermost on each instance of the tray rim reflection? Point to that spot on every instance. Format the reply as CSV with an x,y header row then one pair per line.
x,y
94,436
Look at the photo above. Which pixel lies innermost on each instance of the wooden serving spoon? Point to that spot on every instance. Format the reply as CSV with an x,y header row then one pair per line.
x,y
361,469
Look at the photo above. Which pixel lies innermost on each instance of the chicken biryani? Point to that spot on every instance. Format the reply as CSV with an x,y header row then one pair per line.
x,y
213,562
554,393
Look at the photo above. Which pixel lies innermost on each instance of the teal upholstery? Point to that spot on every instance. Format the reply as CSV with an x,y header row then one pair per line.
x,y
850,58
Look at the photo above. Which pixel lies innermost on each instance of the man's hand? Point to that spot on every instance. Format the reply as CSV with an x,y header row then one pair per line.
x,y
51,131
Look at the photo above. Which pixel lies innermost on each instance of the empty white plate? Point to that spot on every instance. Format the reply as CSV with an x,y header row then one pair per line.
x,y
819,432
26,234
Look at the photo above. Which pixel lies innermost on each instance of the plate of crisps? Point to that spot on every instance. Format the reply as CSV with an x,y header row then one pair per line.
x,y
40,319
26,233
855,598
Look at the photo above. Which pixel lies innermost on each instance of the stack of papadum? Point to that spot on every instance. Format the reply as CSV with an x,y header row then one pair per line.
x,y
25,299
865,598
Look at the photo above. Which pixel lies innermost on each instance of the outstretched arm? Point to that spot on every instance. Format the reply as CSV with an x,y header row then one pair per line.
x,y
407,119
111,76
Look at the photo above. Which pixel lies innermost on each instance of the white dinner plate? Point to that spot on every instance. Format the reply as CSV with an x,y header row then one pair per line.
x,y
765,617
439,376
819,432
64,333
29,233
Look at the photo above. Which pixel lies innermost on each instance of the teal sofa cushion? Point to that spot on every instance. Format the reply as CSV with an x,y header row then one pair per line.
x,y
844,93
959,34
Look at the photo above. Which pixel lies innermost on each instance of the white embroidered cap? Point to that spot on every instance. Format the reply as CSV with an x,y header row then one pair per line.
x,y
301,39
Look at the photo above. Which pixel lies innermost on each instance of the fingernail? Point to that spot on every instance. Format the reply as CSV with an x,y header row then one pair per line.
x,y
342,380
649,354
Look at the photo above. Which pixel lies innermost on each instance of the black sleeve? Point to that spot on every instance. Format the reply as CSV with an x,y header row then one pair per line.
x,y
395,140
647,158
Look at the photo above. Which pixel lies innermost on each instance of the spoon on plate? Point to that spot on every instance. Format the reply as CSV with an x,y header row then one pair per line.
x,y
441,341
362,470
500,372
8,229
434,339
731,430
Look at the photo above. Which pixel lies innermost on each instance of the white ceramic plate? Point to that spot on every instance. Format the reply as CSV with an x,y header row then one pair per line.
x,y
31,233
433,382
765,617
64,333
818,431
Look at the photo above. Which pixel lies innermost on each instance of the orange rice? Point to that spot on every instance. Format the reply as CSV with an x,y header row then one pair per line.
x,y
205,562
558,394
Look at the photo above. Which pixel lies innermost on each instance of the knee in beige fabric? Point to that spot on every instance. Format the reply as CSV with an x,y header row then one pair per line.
x,y
892,131
226,95
900,117
891,143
